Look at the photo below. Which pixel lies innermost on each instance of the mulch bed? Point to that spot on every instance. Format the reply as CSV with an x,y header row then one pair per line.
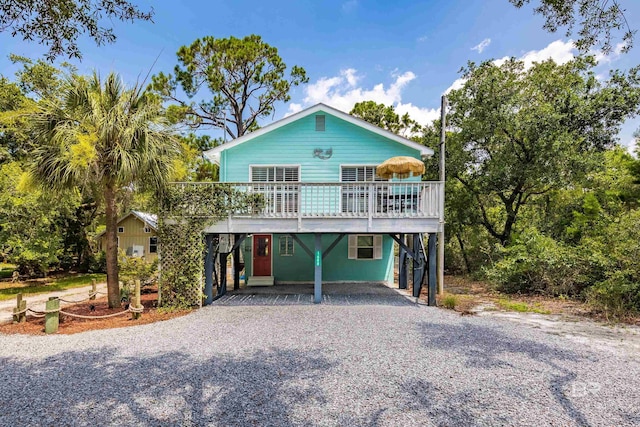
x,y
97,307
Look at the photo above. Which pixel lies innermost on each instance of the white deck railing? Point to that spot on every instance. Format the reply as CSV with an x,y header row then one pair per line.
x,y
345,200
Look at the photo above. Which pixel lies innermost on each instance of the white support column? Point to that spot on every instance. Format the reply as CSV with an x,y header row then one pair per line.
x,y
317,279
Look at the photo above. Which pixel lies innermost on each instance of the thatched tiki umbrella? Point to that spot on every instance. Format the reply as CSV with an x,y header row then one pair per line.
x,y
400,167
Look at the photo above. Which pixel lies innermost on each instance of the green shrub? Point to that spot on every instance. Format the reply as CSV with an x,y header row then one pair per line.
x,y
619,292
449,301
534,263
136,268
615,296
97,263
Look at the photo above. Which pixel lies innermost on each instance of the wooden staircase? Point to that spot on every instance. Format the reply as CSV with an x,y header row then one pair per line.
x,y
260,281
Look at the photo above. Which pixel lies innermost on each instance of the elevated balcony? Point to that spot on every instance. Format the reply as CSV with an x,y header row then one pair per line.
x,y
340,207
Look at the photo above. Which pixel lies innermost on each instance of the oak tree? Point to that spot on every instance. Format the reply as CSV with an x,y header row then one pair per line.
x,y
239,81
57,24
599,22
519,134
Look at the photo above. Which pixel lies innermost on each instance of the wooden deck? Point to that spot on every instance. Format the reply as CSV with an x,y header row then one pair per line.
x,y
346,207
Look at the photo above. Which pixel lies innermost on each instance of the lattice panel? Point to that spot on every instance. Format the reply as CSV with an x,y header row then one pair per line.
x,y
182,266
186,209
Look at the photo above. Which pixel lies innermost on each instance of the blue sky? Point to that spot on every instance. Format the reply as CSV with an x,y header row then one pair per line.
x,y
405,53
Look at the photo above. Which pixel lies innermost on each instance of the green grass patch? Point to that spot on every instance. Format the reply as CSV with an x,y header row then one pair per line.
x,y
6,270
60,284
450,301
521,307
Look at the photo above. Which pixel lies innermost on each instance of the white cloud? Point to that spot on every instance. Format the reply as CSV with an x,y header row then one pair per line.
x,y
561,52
294,108
342,92
602,58
631,146
424,116
350,75
422,38
482,45
457,84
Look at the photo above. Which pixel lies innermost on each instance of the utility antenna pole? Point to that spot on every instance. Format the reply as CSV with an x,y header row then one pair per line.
x,y
224,128
443,115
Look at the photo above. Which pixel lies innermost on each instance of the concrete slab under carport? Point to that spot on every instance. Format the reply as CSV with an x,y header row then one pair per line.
x,y
357,293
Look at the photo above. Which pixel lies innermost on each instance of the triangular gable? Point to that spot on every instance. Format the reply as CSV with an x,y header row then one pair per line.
x,y
214,153
149,219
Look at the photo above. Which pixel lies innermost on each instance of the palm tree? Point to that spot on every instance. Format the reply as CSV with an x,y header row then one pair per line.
x,y
103,137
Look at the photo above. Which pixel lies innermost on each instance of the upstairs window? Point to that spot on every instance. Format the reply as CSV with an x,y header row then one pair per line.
x,y
275,174
120,229
320,121
359,174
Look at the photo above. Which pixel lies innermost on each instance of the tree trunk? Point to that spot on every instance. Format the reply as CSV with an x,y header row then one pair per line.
x,y
464,254
111,213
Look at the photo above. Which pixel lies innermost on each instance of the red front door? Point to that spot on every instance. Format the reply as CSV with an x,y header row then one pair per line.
x,y
262,255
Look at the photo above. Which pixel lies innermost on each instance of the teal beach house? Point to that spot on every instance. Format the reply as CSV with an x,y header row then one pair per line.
x,y
327,216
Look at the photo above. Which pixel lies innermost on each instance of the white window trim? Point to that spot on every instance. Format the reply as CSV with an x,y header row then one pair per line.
x,y
293,244
352,251
299,166
356,165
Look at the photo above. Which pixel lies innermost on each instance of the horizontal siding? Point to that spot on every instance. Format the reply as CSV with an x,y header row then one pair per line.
x,y
295,143
335,267
133,235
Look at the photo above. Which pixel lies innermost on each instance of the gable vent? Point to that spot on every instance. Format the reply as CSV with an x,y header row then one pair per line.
x,y
320,123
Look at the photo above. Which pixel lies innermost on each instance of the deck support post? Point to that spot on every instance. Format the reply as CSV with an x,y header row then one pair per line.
x,y
418,265
223,273
208,270
317,278
431,249
236,261
403,267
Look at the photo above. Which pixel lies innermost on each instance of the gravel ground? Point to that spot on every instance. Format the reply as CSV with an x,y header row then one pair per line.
x,y
355,363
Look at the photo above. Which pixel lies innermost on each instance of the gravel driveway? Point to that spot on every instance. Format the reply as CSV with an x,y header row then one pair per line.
x,y
355,363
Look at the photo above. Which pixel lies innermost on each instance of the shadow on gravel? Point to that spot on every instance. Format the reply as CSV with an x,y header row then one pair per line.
x,y
489,348
445,408
96,388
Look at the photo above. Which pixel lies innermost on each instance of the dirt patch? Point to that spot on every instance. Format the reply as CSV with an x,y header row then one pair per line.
x,y
472,297
97,307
